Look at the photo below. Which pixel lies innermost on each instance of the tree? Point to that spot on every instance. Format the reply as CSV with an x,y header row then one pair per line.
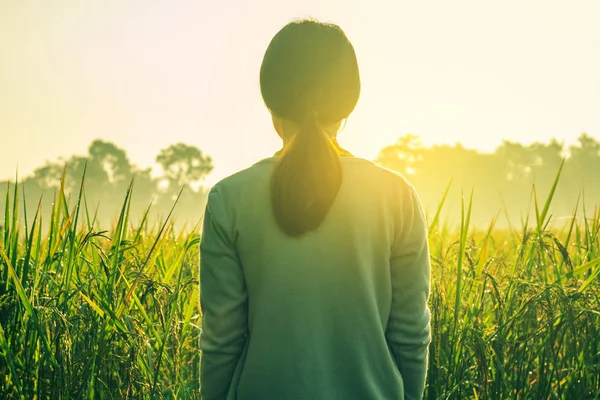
x,y
403,155
107,169
111,160
583,168
47,176
184,165
588,150
516,160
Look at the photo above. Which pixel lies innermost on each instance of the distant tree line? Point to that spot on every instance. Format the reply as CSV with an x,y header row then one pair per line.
x,y
502,181
108,174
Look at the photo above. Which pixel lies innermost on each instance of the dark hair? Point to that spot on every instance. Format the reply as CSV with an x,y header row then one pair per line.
x,y
309,75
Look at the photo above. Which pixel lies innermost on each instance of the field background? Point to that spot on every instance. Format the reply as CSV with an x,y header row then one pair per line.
x,y
97,311
99,283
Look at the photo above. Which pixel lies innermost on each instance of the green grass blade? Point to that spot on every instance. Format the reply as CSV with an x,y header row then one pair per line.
x,y
9,359
436,217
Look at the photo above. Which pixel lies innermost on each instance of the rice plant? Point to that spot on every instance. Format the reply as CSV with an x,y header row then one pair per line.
x,y
91,312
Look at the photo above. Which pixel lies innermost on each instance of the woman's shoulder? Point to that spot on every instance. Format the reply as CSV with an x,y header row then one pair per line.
x,y
257,175
378,173
248,177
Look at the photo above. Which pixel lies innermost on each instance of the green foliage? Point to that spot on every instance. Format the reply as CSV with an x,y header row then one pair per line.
x,y
92,314
113,314
183,164
501,178
108,172
526,318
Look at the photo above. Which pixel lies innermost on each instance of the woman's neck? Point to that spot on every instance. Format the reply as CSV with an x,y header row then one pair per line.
x,y
343,152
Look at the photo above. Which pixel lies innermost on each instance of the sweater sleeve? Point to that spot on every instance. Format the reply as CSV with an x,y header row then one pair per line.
x,y
223,302
408,331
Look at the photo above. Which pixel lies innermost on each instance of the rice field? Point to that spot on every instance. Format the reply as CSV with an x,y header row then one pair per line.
x,y
92,312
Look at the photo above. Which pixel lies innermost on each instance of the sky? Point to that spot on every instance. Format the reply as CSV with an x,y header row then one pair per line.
x,y
147,74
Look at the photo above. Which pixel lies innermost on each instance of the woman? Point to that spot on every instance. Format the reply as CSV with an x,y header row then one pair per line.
x,y
314,274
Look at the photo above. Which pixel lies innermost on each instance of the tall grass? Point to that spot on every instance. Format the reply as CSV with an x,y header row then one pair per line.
x,y
113,314
88,313
525,320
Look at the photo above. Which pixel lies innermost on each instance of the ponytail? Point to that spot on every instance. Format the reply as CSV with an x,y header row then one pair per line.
x,y
306,179
308,66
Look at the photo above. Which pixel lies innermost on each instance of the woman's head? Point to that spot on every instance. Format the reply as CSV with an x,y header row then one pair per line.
x,y
310,68
310,82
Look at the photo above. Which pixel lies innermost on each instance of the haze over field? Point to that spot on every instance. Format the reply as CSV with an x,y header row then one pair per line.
x,y
99,285
147,74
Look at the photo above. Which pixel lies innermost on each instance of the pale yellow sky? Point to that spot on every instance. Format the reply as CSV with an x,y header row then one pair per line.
x,y
146,74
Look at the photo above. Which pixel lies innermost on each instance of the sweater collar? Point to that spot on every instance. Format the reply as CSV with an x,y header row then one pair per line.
x,y
341,151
